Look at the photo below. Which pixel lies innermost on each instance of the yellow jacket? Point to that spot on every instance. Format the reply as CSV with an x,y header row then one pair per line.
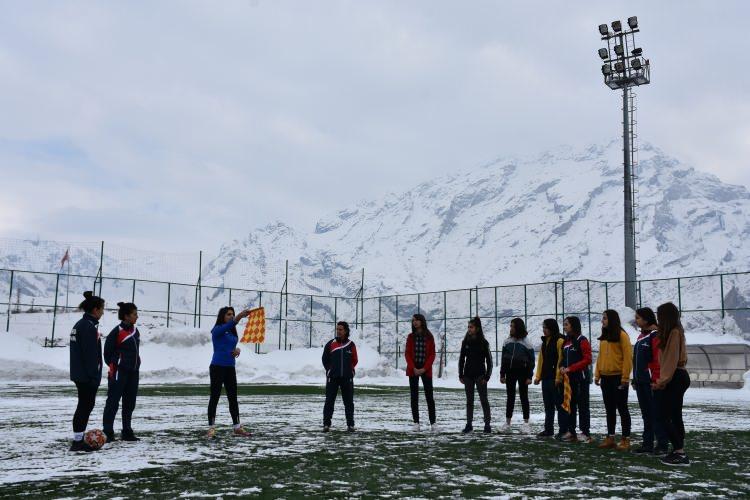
x,y
540,360
615,358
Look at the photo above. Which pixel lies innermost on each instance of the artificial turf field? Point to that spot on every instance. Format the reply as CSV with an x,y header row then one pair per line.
x,y
289,457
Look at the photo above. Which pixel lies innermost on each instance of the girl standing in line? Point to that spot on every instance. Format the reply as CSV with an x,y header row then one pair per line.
x,y
420,354
517,367
474,370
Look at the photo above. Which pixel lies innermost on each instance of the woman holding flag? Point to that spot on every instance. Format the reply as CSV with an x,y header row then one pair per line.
x,y
575,370
222,369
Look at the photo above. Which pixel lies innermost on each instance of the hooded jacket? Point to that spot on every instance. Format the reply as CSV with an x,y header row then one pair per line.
x,y
517,354
86,351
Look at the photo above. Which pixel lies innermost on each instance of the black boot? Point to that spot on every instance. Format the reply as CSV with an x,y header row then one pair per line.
x,y
110,435
128,436
469,428
80,446
487,428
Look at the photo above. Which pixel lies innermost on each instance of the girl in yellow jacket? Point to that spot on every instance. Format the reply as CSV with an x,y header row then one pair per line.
x,y
612,373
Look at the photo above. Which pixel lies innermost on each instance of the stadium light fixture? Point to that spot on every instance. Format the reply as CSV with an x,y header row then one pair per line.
x,y
625,68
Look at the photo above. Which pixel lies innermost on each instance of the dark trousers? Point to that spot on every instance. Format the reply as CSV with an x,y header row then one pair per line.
x,y
123,385
579,407
652,424
481,386
223,376
512,378
86,401
414,392
552,403
347,394
669,401
615,401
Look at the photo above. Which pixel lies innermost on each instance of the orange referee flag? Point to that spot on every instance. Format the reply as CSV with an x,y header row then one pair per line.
x,y
567,393
255,330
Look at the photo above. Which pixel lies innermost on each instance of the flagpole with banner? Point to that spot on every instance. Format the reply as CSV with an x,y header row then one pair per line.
x,y
66,258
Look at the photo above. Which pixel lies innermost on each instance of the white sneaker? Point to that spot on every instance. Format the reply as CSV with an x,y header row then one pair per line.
x,y
415,426
433,427
505,428
526,428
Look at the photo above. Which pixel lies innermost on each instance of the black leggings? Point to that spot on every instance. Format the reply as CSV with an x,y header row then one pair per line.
x,y
469,384
414,392
615,401
226,376
511,378
86,401
670,405
122,385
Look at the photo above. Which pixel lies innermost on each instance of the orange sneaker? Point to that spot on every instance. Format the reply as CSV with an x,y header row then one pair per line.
x,y
240,431
607,443
624,444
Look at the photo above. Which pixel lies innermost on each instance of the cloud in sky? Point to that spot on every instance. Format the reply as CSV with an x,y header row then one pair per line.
x,y
183,124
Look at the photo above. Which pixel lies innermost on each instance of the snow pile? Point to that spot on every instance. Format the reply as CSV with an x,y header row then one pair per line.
x,y
182,355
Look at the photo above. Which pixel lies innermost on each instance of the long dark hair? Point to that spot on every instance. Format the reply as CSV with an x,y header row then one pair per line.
x,y
478,326
90,302
345,325
223,312
611,332
552,325
647,315
519,331
575,324
669,320
125,309
423,320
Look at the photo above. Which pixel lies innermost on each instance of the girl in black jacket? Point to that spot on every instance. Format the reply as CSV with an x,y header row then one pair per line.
x,y
86,365
474,369
121,354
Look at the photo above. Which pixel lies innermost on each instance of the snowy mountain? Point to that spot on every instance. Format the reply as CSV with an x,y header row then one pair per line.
x,y
557,215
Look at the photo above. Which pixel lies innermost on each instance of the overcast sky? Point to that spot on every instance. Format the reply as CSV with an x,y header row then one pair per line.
x,y
179,125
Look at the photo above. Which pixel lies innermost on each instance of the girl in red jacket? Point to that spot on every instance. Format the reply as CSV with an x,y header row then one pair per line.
x,y
420,354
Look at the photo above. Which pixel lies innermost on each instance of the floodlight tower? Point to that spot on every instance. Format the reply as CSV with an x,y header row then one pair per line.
x,y
624,67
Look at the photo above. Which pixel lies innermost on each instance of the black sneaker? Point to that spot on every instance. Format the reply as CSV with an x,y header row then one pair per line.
x,y
350,428
110,435
487,429
80,446
643,450
661,451
127,436
469,428
676,459
544,434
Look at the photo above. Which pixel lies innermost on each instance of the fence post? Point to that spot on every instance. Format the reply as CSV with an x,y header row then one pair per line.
x,y
311,319
721,288
379,318
497,359
396,325
476,300
445,328
169,299
562,297
398,352
640,296
471,304
606,295
101,268
281,309
132,295
556,314
335,313
526,306
588,306
10,299
230,296
200,291
54,311
419,304
679,294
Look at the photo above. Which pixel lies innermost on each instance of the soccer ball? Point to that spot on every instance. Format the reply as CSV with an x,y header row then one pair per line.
x,y
95,438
